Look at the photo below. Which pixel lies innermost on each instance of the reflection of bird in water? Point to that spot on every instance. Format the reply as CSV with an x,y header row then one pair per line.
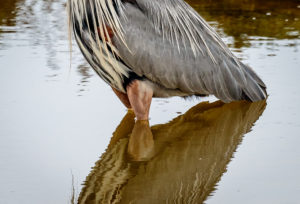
x,y
158,48
179,162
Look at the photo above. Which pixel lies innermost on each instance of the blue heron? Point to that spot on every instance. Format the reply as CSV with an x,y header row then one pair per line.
x,y
158,48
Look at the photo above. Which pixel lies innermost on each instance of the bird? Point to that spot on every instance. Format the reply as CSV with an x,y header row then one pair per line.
x,y
158,49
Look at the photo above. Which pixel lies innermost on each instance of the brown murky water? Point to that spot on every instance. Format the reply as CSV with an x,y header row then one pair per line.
x,y
56,121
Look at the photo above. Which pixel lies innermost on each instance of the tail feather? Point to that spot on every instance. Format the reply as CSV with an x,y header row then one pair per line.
x,y
255,89
254,76
243,84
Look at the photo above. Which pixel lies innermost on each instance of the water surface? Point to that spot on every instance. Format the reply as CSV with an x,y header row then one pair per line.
x,y
56,120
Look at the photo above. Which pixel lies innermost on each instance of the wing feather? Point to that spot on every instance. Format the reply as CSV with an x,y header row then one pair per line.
x,y
173,46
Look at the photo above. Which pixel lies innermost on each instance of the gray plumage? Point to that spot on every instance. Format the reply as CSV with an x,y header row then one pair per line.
x,y
164,42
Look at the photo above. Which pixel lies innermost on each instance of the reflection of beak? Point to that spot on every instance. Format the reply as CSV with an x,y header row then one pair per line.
x,y
141,143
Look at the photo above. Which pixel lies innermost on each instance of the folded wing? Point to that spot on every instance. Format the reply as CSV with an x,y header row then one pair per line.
x,y
171,45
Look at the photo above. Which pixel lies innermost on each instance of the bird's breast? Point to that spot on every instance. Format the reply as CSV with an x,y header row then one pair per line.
x,y
107,31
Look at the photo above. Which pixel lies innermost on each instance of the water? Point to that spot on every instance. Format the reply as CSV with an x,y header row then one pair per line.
x,y
56,121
